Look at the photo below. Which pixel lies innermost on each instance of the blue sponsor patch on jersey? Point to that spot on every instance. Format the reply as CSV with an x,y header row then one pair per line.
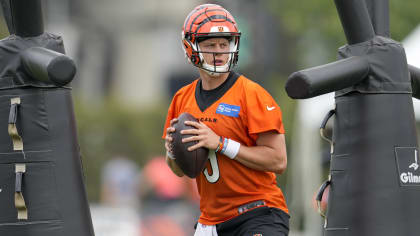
x,y
228,110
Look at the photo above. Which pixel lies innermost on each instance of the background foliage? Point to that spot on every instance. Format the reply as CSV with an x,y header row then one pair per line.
x,y
315,24
113,129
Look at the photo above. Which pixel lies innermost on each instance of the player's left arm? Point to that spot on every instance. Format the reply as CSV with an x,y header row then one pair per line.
x,y
269,153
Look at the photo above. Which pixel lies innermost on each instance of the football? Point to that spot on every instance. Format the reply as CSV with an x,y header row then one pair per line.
x,y
190,162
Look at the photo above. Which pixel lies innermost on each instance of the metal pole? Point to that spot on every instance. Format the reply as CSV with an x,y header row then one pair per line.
x,y
27,17
379,14
355,19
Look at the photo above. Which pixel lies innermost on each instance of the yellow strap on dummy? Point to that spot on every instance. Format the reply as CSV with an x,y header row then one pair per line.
x,y
19,200
13,132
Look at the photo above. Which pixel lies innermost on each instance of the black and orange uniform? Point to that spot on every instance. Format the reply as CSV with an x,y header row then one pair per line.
x,y
239,109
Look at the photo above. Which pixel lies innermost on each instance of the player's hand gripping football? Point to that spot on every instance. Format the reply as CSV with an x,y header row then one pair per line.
x,y
203,134
168,145
168,137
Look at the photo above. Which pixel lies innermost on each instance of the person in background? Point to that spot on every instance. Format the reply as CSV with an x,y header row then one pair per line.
x,y
166,198
120,183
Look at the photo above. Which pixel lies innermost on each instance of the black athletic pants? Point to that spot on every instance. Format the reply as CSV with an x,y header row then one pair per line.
x,y
262,221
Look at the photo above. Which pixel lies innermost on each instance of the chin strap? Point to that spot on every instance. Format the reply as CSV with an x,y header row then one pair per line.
x,y
211,73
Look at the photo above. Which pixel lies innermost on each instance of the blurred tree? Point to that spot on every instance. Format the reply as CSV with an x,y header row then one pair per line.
x,y
113,130
316,27
4,32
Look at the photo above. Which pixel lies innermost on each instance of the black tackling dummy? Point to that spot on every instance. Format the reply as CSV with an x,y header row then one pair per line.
x,y
374,173
42,191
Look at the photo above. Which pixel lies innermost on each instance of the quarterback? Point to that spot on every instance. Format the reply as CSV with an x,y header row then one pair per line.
x,y
241,125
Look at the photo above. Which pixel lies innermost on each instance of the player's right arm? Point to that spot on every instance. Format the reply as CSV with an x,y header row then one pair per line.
x,y
168,146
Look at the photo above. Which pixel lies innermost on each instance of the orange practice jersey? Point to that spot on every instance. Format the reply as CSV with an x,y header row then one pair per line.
x,y
243,111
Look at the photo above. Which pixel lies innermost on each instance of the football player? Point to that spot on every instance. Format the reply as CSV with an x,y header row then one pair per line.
x,y
241,125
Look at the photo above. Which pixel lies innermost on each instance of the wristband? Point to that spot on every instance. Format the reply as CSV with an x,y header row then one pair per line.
x,y
225,141
231,148
170,155
220,145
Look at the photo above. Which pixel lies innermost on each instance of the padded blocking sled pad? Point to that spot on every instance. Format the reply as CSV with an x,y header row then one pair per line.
x,y
52,185
42,190
375,183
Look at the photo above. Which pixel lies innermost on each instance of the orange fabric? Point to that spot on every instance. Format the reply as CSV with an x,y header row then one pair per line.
x,y
236,184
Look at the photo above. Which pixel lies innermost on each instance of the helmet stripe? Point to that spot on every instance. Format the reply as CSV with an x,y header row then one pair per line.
x,y
202,13
195,11
199,9
186,21
213,18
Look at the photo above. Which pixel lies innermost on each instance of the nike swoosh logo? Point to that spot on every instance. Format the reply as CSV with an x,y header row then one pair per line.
x,y
270,108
